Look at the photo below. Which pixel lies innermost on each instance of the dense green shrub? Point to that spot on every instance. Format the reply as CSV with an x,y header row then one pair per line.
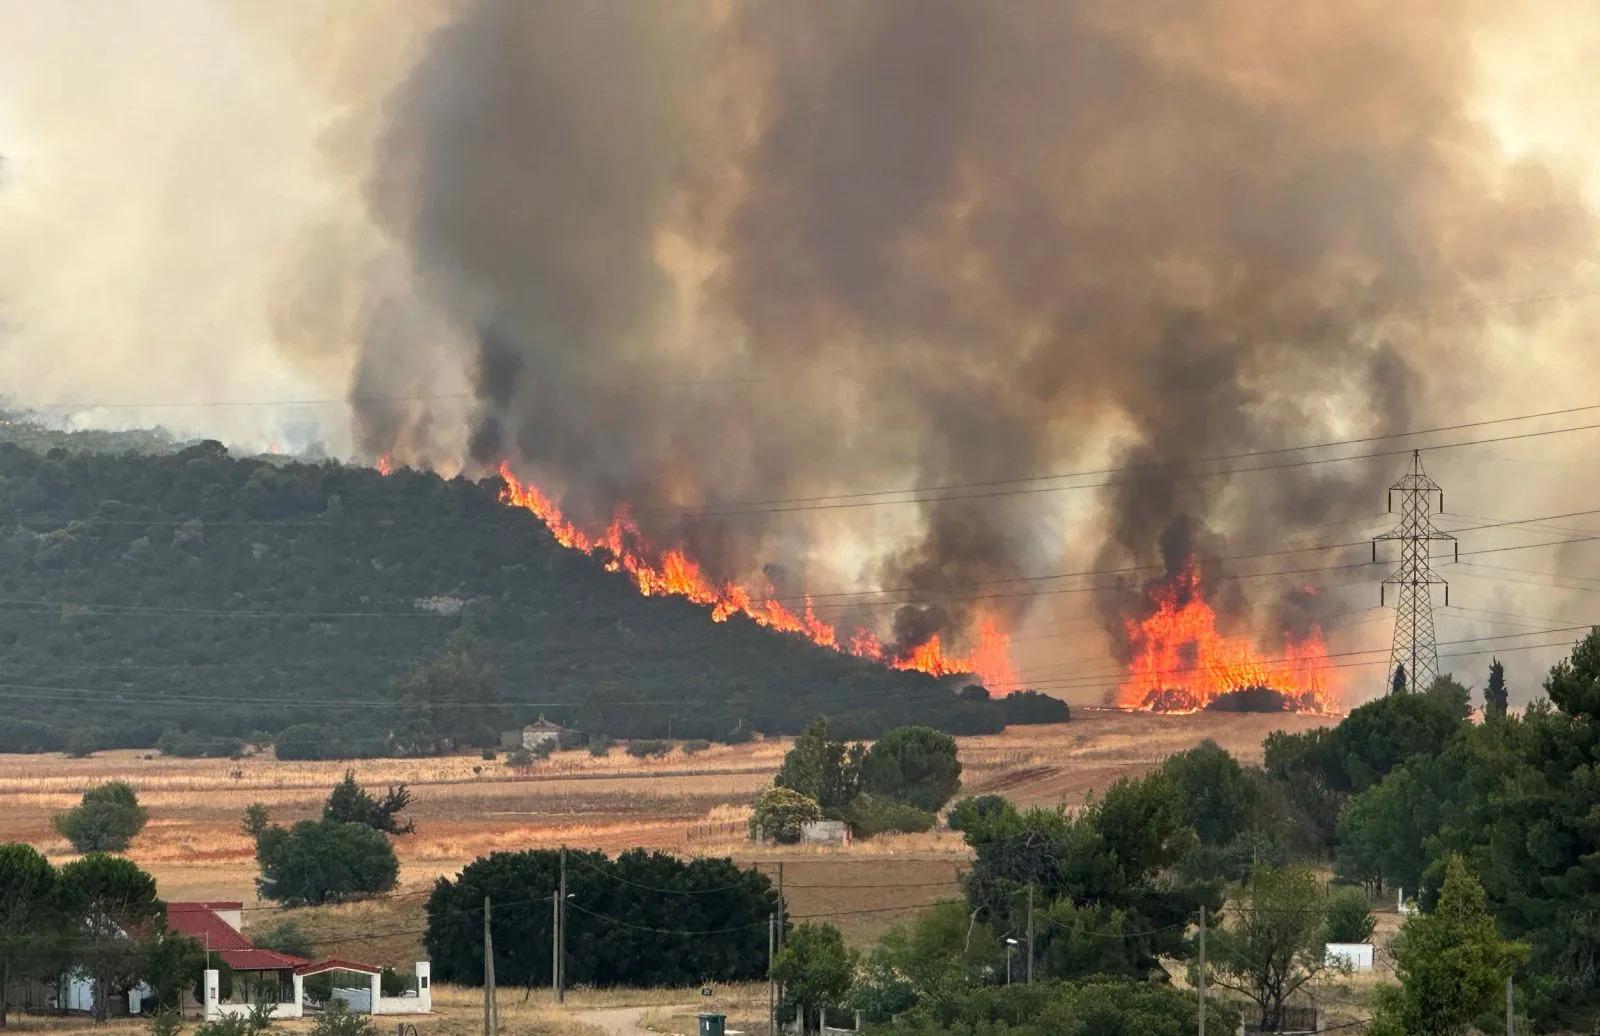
x,y
914,765
313,741
286,937
977,814
1349,916
322,861
191,744
870,815
657,895
106,820
780,814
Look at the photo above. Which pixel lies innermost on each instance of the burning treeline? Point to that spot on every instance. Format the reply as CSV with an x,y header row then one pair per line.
x,y
671,572
739,270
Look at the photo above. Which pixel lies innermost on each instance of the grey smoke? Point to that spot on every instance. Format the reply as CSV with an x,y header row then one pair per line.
x,y
707,253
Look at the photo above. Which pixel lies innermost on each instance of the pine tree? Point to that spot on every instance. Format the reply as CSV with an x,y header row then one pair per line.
x,y
1398,686
1452,963
1494,694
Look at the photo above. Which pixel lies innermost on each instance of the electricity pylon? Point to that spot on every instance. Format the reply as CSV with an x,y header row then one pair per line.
x,y
1415,653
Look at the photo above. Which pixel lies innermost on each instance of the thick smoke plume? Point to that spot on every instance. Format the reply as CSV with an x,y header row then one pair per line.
x,y
712,254
704,257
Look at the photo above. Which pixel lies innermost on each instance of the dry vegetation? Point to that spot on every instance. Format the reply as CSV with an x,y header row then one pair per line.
x,y
690,804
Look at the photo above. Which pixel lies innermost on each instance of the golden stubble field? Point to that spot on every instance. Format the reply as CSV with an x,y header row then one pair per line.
x,y
695,804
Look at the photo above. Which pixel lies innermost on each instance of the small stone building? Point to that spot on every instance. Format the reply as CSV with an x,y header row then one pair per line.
x,y
533,735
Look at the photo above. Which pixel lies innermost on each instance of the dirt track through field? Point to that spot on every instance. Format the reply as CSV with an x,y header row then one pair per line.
x,y
621,1021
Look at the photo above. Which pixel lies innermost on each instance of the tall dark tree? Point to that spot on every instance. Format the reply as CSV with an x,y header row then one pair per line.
x,y
350,803
1110,861
28,911
815,968
643,918
1451,961
172,964
322,861
823,769
1495,696
111,905
1397,685
1217,796
914,765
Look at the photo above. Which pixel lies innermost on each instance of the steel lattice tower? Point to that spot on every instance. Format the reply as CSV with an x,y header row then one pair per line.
x,y
1415,647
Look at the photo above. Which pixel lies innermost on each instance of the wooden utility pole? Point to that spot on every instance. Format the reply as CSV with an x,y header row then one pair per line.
x,y
772,986
1511,1007
1030,933
783,913
561,933
1201,972
491,1020
555,943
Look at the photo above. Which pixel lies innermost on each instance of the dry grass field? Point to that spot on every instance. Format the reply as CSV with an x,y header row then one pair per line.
x,y
688,804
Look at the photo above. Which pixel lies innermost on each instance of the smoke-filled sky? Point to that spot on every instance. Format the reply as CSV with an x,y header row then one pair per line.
x,y
697,255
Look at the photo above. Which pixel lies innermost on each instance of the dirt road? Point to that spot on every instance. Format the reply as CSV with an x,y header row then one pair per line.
x,y
621,1021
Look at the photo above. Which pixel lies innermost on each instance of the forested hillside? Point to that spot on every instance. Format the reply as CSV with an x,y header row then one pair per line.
x,y
207,598
29,431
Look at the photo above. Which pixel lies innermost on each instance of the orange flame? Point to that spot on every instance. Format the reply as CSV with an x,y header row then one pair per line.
x,y
385,465
1181,662
671,572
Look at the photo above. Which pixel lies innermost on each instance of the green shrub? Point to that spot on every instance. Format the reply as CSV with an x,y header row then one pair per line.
x,y
914,765
338,1021
697,745
195,744
313,741
286,937
105,820
322,861
780,813
976,814
600,745
1349,919
648,748
256,820
393,983
166,1023
870,815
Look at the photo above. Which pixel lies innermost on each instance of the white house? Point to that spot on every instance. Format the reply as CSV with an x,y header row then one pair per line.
x,y
278,977
533,735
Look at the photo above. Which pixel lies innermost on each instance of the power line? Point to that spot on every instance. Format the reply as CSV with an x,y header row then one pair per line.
x,y
722,511
822,599
1413,625
1206,459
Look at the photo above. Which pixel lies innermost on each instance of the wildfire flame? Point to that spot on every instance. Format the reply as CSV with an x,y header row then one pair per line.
x,y
671,572
1181,662
385,466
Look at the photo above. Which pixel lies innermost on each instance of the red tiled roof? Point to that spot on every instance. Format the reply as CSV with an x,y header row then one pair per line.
x,y
199,921
260,960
